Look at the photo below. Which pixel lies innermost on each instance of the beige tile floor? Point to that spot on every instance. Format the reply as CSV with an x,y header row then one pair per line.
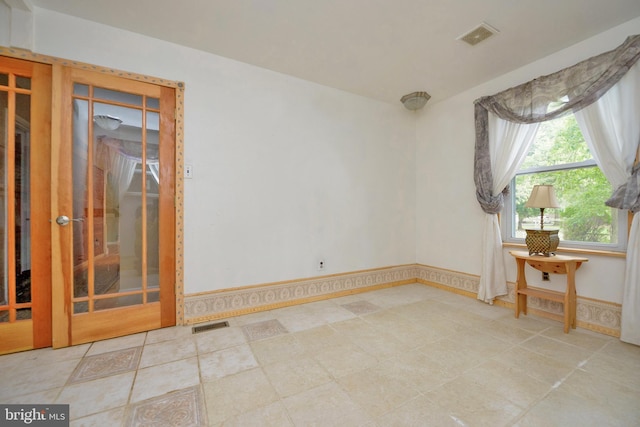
x,y
406,356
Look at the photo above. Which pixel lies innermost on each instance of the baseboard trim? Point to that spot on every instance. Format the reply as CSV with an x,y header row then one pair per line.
x,y
204,307
595,315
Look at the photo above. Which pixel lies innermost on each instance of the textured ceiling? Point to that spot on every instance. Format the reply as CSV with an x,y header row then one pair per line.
x,y
381,49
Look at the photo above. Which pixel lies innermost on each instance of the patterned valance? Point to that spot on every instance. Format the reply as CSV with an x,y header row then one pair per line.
x,y
546,98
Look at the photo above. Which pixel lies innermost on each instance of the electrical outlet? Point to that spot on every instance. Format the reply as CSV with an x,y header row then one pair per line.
x,y
322,265
545,276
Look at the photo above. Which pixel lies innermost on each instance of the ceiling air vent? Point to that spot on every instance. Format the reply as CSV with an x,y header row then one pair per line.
x,y
478,34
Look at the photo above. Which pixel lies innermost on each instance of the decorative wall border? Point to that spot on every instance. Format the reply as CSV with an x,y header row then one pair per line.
x,y
226,303
599,316
595,315
179,204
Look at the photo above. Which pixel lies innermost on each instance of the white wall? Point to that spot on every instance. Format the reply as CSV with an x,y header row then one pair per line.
x,y
285,171
449,219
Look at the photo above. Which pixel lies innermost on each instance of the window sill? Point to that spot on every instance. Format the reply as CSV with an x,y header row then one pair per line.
x,y
571,250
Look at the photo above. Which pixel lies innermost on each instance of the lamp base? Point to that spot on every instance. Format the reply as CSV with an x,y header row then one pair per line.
x,y
542,242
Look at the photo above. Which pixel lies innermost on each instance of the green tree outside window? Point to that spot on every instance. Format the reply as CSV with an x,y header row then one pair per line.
x,y
560,157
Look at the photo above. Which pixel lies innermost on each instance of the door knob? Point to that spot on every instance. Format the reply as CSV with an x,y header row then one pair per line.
x,y
64,220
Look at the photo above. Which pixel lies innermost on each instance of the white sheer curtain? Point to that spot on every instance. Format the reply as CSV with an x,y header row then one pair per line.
x,y
611,127
122,168
122,164
509,143
154,167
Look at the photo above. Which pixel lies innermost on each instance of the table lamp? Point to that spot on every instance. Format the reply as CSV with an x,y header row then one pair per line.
x,y
542,242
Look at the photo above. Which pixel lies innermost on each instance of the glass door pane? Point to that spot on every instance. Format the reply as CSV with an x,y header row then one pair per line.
x,y
15,199
115,199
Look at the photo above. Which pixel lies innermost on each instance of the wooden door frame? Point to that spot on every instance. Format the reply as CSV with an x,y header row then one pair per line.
x,y
40,232
179,88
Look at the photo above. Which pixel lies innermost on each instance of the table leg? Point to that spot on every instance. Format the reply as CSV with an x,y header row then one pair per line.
x,y
570,298
521,283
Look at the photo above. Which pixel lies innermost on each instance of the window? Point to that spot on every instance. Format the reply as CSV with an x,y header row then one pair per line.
x,y
559,156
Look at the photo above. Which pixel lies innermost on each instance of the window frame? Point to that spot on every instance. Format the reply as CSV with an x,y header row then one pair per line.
x,y
507,226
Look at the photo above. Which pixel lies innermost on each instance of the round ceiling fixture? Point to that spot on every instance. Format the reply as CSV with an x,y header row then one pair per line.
x,y
415,101
107,122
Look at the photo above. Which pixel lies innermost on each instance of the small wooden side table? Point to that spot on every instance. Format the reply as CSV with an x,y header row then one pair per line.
x,y
557,264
